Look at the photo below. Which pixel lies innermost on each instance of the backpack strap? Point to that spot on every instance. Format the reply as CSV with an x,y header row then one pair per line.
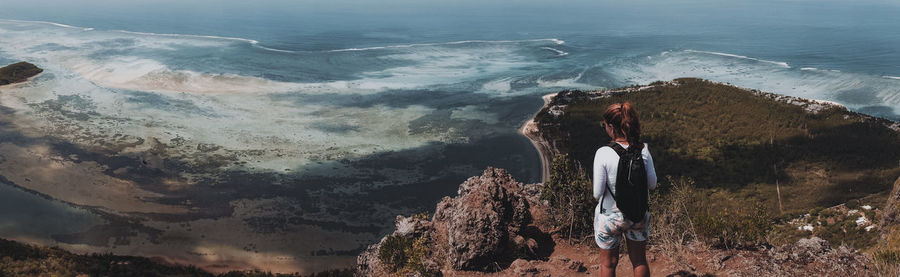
x,y
620,151
618,148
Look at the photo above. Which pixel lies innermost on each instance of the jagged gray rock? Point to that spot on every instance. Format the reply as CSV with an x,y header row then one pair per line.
x,y
806,249
484,226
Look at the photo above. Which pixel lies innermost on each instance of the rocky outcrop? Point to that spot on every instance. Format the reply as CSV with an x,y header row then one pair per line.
x,y
891,214
483,220
486,226
18,72
813,257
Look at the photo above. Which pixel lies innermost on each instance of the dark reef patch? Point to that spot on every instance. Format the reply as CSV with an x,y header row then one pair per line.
x,y
150,100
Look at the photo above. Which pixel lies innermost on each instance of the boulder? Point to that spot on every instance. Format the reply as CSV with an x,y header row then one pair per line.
x,y
485,226
482,222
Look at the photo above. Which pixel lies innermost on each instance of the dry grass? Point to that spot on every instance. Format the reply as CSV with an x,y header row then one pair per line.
x,y
672,225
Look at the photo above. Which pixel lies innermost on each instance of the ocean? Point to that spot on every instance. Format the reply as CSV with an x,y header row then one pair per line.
x,y
287,135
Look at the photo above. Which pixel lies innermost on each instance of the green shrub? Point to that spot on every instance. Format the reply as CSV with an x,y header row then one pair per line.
x,y
393,251
870,214
814,212
405,255
852,204
569,194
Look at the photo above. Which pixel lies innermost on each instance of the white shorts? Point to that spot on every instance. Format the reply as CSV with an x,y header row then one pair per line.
x,y
609,226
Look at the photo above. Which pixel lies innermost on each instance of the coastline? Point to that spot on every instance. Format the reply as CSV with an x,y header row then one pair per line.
x,y
530,131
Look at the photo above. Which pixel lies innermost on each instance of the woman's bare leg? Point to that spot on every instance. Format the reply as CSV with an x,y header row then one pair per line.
x,y
609,259
637,253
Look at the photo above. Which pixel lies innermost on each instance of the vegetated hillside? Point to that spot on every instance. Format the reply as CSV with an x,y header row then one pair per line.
x,y
18,72
740,147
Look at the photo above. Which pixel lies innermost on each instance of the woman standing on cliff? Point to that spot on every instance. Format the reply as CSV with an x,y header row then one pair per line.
x,y
610,223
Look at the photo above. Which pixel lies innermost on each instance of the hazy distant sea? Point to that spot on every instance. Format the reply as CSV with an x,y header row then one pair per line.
x,y
340,115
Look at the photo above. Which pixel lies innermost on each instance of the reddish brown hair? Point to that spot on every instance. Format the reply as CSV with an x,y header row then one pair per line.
x,y
624,120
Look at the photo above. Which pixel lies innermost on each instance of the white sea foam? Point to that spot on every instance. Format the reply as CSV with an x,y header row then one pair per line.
x,y
135,73
819,70
556,41
427,67
250,41
557,51
231,110
284,128
430,67
827,85
136,33
274,49
783,64
891,77
500,85
48,23
567,83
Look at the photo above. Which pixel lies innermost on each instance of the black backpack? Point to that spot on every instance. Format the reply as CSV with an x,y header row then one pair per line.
x,y
631,183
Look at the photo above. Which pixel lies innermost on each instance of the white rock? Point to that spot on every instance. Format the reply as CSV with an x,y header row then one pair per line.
x,y
867,207
870,227
806,227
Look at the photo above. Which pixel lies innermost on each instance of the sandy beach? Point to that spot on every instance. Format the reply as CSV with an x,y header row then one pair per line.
x,y
531,131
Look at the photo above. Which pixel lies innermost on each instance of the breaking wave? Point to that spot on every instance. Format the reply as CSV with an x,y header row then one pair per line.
x,y
553,40
557,51
783,64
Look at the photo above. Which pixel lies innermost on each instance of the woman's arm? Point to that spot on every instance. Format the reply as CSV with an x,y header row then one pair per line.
x,y
599,175
651,170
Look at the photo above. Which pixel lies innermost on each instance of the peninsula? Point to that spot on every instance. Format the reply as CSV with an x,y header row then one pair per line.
x,y
756,182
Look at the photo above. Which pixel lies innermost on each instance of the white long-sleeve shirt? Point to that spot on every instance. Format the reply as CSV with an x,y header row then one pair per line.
x,y
606,165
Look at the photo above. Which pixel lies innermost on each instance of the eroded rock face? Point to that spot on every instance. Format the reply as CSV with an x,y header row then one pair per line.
x,y
484,220
486,225
892,208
